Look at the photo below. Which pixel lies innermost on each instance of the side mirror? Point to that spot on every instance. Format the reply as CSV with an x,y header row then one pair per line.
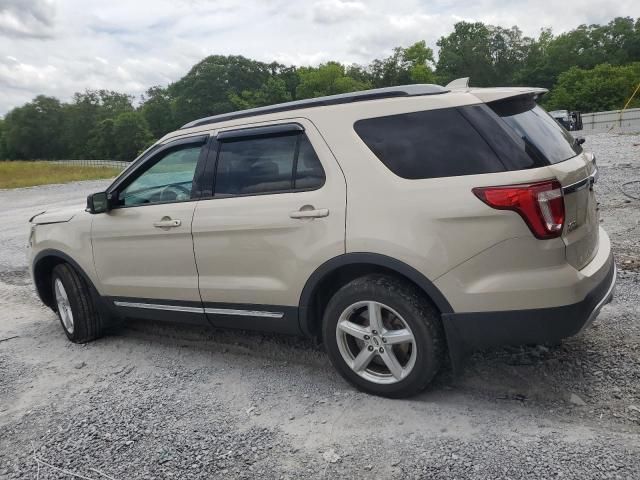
x,y
580,140
98,203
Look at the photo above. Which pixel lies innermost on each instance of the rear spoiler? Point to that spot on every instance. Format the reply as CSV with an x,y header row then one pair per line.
x,y
493,94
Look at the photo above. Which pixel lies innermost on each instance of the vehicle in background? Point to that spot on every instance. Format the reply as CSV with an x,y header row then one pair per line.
x,y
569,120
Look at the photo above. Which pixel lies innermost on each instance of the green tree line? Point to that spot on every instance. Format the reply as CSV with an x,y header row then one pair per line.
x,y
590,68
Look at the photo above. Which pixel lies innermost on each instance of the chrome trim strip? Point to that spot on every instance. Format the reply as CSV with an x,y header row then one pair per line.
x,y
585,182
155,306
243,313
214,311
605,299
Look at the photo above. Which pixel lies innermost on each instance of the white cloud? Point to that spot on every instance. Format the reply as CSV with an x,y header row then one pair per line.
x,y
58,47
27,18
335,11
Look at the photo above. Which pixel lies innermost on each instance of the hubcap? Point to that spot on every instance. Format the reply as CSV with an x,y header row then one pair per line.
x,y
64,308
376,342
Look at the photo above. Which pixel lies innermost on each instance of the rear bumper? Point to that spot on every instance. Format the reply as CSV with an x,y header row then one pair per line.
x,y
475,330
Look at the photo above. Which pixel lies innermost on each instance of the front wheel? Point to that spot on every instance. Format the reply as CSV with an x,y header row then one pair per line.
x,y
383,336
76,310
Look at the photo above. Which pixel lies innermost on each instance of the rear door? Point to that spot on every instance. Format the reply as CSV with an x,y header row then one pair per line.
x,y
547,143
277,214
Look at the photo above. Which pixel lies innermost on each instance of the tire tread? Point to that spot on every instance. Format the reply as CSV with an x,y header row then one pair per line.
x,y
87,321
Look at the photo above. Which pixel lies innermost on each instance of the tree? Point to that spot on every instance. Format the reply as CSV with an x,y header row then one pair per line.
x,y
85,111
605,87
272,92
101,144
418,60
405,65
489,55
34,131
207,88
130,135
327,79
3,142
586,46
466,52
157,111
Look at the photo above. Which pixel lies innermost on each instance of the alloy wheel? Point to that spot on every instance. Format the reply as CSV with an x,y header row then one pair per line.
x,y
376,342
64,308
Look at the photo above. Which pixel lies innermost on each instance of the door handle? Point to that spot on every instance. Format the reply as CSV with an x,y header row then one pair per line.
x,y
167,223
309,212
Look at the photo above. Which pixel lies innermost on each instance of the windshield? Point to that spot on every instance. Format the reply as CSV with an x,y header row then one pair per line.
x,y
545,139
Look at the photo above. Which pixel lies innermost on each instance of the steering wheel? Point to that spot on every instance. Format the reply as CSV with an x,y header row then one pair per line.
x,y
179,193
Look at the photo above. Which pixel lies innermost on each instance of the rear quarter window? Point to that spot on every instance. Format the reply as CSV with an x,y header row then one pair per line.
x,y
428,144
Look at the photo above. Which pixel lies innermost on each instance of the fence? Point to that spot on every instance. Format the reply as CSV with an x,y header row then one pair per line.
x,y
95,163
627,120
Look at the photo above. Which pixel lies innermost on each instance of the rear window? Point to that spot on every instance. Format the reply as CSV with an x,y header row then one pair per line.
x,y
545,140
428,144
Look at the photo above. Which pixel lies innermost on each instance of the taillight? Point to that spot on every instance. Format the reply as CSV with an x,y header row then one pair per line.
x,y
540,204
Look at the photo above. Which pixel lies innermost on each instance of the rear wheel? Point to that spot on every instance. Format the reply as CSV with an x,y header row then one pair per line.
x,y
383,336
78,315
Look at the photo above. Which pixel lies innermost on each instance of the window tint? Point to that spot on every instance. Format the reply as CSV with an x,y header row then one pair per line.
x,y
266,164
309,171
168,180
429,144
545,140
509,147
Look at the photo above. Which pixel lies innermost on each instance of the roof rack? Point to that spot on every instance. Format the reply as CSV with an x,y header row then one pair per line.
x,y
375,94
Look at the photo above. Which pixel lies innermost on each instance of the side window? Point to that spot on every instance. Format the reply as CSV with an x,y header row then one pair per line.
x,y
428,144
249,166
168,180
309,171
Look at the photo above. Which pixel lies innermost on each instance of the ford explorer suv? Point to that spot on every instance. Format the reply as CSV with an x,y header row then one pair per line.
x,y
402,226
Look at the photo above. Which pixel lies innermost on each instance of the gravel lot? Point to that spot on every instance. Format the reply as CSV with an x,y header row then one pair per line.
x,y
168,401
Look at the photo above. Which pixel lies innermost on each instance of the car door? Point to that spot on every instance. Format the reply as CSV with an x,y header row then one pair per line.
x,y
143,251
277,214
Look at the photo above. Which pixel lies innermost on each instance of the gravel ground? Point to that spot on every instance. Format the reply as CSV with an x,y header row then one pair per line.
x,y
167,401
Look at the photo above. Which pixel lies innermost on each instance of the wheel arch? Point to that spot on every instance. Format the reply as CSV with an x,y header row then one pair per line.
x,y
334,273
43,265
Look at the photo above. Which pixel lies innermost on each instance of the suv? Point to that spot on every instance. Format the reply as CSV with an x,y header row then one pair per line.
x,y
399,225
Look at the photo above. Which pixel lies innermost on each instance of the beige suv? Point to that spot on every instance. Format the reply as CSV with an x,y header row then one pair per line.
x,y
400,225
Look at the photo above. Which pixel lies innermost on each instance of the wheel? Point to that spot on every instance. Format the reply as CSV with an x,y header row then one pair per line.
x,y
75,307
383,336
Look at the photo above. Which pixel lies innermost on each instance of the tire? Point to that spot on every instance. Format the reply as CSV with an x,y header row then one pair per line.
x,y
401,307
85,323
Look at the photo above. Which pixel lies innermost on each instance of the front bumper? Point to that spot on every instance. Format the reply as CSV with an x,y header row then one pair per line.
x,y
476,330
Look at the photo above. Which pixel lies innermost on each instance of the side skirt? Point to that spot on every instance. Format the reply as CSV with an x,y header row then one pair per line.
x,y
264,318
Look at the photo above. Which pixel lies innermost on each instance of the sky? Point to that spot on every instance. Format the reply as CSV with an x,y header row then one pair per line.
x,y
58,47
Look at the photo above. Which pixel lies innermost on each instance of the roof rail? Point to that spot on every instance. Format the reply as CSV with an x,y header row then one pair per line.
x,y
375,94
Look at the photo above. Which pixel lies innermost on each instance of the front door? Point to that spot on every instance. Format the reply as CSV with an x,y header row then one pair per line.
x,y
277,214
143,251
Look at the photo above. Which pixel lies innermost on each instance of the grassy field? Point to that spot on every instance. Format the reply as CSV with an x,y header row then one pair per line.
x,y
28,174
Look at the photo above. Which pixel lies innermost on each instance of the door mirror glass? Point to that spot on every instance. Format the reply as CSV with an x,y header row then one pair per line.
x,y
98,202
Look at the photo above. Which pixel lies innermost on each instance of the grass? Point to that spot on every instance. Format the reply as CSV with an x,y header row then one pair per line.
x,y
28,174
